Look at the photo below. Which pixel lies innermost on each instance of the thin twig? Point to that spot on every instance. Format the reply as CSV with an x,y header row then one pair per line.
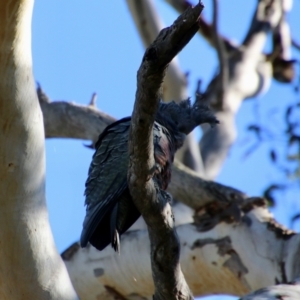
x,y
295,44
205,28
223,63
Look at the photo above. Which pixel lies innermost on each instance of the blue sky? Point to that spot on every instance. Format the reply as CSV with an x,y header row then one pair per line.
x,y
92,46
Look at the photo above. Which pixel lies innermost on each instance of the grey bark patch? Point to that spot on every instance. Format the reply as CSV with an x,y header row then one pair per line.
x,y
283,273
69,252
280,231
235,264
114,293
247,220
135,296
251,203
98,272
202,242
295,264
222,244
216,213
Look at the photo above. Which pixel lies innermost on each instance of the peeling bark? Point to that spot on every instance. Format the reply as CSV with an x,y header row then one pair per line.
x,y
239,254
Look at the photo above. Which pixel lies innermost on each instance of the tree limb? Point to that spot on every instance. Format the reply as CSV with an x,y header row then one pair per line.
x,y
149,24
152,202
205,29
222,54
233,250
289,291
250,75
295,44
69,120
30,268
189,188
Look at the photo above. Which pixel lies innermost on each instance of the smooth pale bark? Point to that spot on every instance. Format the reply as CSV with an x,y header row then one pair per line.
x,y
244,250
289,291
250,74
30,267
284,265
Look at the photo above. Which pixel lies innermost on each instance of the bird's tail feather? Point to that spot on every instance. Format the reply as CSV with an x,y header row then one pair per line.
x,y
115,238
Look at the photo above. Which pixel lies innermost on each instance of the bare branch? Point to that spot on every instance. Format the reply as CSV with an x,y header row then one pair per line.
x,y
233,250
251,75
149,24
282,291
93,100
266,17
87,123
189,188
296,44
150,201
223,63
283,66
63,119
205,29
31,268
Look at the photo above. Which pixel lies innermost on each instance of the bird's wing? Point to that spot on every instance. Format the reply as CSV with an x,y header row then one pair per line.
x,y
107,176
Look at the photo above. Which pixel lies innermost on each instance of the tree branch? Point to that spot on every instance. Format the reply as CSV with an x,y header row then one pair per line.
x,y
205,29
296,45
189,188
266,17
30,268
149,24
70,120
289,291
251,74
233,250
222,55
152,202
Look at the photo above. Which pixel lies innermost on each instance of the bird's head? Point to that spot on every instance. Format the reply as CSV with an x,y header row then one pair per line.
x,y
186,116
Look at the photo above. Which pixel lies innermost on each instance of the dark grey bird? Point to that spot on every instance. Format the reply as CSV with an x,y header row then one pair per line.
x,y
110,210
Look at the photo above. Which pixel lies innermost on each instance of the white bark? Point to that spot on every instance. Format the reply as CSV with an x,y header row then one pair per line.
x,y
289,291
238,253
30,265
244,254
250,74
203,196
